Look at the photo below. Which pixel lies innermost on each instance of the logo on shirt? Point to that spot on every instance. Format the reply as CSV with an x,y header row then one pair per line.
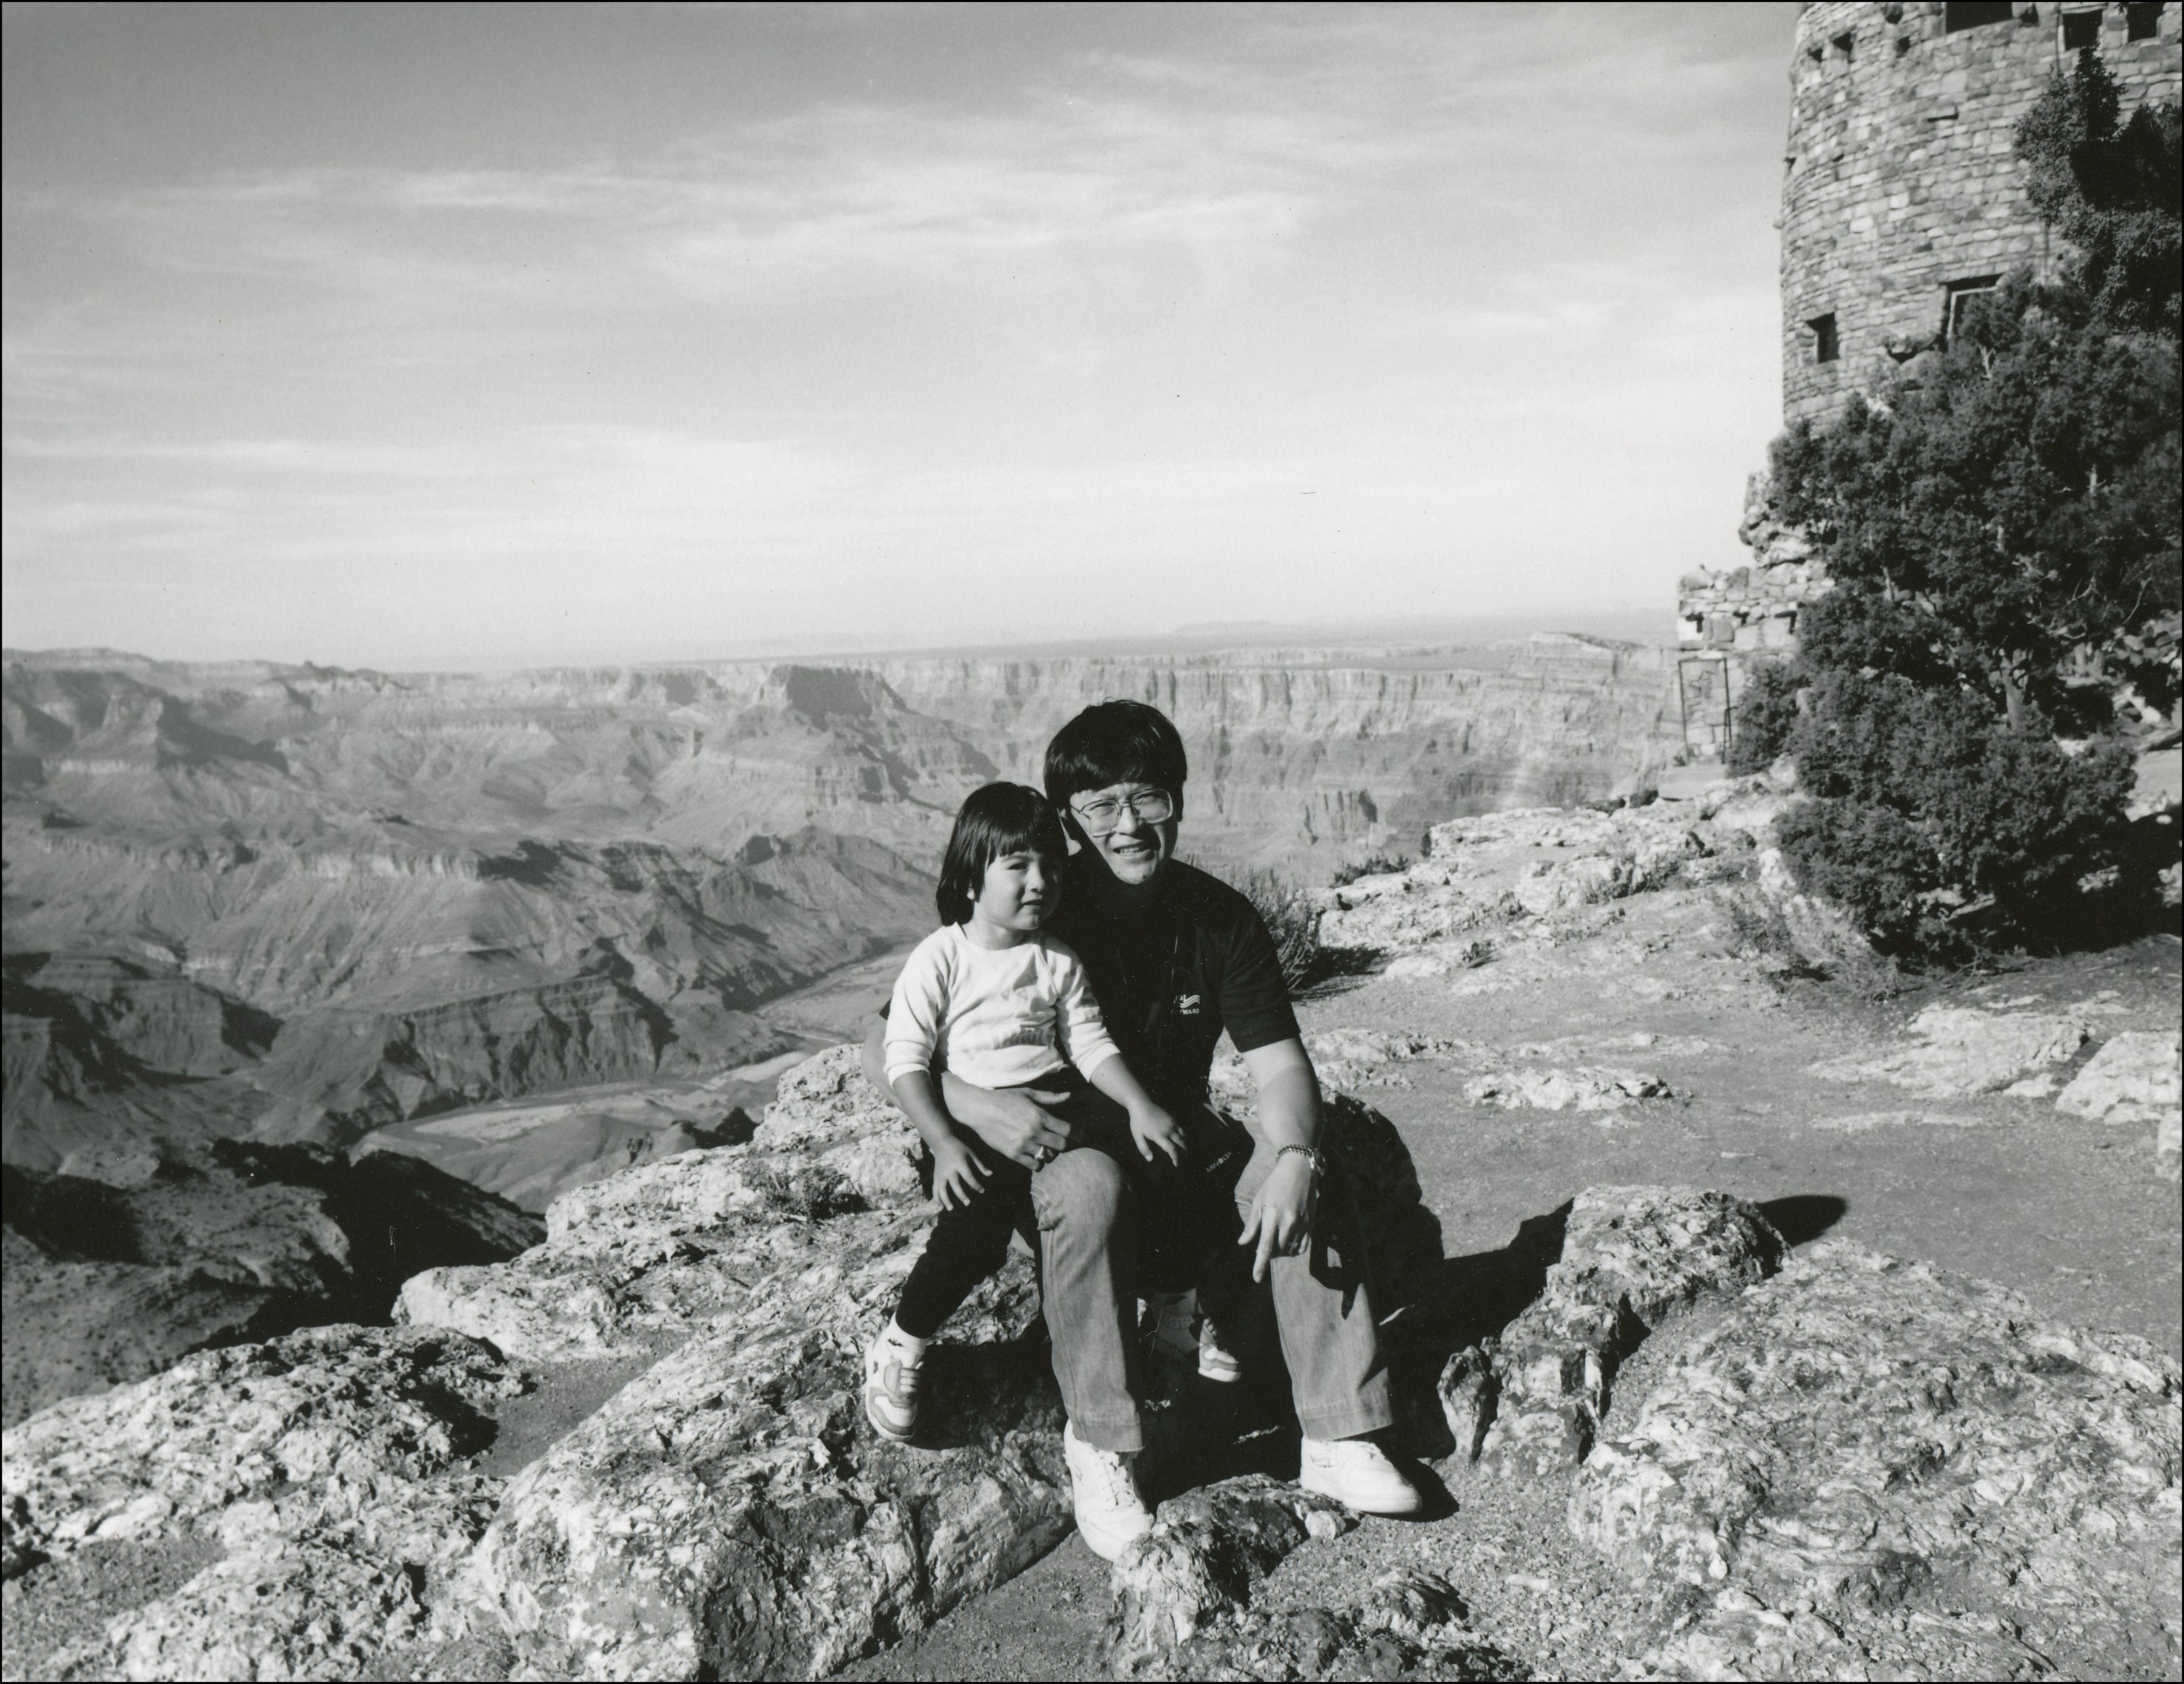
x,y
1186,1005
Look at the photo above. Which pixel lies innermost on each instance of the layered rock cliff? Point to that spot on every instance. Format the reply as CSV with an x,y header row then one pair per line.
x,y
306,903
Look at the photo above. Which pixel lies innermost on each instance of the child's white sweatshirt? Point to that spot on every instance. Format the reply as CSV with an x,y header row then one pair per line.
x,y
996,1018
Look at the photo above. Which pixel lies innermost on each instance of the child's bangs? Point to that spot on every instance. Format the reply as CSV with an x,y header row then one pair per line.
x,y
1036,830
997,820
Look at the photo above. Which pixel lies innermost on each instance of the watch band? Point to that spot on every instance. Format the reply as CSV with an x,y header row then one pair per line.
x,y
1312,1155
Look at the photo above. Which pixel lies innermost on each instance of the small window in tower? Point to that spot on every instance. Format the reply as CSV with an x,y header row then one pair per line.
x,y
1845,47
1826,346
1962,295
2081,30
2141,22
1976,13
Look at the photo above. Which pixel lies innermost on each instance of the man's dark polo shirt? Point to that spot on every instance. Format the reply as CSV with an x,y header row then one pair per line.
x,y
1194,960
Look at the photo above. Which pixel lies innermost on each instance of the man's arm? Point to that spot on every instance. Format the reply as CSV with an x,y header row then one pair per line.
x,y
1280,1222
1012,1122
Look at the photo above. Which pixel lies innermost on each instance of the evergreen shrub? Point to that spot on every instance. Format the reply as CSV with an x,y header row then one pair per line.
x,y
2003,525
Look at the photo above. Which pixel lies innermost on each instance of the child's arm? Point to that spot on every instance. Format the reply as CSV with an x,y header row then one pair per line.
x,y
915,1014
957,1175
1086,1044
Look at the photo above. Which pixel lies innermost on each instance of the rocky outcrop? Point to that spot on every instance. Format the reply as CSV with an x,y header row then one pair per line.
x,y
1963,1050
1528,1403
2136,1077
666,1250
731,1514
140,1252
1412,1624
1585,1088
332,1467
1207,1552
1496,879
1871,1468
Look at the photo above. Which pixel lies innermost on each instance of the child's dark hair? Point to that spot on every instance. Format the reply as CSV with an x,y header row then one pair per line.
x,y
1115,742
997,820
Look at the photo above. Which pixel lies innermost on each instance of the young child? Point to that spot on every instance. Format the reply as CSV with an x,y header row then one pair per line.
x,y
991,998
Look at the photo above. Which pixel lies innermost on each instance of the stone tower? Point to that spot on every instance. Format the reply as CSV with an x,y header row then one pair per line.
x,y
1901,199
1901,194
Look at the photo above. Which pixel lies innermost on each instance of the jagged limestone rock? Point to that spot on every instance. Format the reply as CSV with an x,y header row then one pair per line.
x,y
1206,1551
322,1426
2136,1077
278,1609
1580,1088
333,1465
584,1298
1535,863
825,1110
1861,1444
1963,1050
1413,1624
1528,1403
730,1513
651,1256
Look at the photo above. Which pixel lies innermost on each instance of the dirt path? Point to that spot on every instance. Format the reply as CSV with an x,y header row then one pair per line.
x,y
2067,1212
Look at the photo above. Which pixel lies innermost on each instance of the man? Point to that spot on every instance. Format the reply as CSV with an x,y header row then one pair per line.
x,y
1175,957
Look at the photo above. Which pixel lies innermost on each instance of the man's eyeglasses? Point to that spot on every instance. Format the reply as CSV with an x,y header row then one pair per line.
x,y
1100,816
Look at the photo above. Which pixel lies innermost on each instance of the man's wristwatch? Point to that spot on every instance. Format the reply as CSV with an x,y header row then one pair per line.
x,y
1311,1155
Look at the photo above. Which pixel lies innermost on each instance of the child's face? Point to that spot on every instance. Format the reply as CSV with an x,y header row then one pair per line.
x,y
1020,890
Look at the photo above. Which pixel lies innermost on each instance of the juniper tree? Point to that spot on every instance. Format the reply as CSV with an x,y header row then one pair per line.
x,y
2003,526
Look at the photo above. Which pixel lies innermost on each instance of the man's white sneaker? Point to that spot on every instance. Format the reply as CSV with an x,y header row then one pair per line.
x,y
891,1365
1357,1473
1110,1511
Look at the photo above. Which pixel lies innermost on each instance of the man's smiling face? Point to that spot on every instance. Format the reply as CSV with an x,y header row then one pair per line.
x,y
1137,846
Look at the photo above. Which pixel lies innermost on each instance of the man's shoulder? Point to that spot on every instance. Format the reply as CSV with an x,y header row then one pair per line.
x,y
1189,898
1205,900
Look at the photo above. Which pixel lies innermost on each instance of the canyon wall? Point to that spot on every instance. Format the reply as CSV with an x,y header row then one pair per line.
x,y
303,903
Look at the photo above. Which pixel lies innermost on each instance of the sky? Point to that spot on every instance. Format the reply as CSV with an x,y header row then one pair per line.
x,y
465,335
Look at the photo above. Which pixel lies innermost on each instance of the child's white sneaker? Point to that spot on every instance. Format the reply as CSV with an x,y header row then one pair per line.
x,y
1216,1361
1357,1473
891,1365
1110,1512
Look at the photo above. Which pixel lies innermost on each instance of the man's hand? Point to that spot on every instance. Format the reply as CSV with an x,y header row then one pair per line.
x,y
1012,1122
1280,1222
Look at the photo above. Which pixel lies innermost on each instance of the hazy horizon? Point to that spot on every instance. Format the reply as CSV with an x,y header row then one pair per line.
x,y
1631,622
412,337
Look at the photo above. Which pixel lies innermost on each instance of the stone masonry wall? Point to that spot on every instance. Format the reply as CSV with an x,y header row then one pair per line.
x,y
1900,179
1900,184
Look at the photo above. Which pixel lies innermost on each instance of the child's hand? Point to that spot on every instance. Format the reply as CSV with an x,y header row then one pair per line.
x,y
1152,1127
958,1177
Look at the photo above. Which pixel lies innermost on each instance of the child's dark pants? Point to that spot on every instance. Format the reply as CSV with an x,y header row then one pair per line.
x,y
972,1241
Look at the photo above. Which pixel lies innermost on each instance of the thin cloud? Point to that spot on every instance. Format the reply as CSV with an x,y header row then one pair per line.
x,y
1062,347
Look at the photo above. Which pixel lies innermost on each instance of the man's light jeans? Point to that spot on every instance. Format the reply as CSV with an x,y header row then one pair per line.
x,y
1322,1309
1319,1301
1091,1308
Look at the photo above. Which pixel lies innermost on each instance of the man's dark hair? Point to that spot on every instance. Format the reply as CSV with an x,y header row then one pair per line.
x,y
997,820
1115,742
